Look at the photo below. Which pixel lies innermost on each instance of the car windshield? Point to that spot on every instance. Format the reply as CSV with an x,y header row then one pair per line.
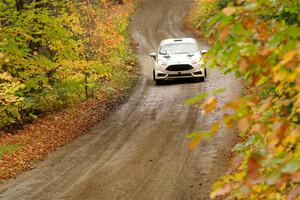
x,y
180,48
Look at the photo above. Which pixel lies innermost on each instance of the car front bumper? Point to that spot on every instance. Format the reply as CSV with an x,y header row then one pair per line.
x,y
196,72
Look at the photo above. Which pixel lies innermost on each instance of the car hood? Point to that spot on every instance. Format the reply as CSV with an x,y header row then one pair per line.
x,y
180,58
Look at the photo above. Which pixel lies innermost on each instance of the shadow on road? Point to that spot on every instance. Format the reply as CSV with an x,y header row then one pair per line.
x,y
180,81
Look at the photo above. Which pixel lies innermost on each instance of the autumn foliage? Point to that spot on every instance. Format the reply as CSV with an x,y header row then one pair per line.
x,y
259,41
57,53
63,65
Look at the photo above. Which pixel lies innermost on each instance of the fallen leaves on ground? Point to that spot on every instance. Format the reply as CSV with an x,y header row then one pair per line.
x,y
49,133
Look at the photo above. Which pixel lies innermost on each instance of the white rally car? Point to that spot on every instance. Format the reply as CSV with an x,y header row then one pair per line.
x,y
178,58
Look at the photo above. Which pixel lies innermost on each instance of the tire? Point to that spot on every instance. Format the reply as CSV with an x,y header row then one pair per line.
x,y
205,73
158,82
154,75
201,79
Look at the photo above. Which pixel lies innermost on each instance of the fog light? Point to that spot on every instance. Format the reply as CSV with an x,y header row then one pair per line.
x,y
161,75
198,73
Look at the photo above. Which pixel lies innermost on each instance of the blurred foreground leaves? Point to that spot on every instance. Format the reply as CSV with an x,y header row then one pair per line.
x,y
258,41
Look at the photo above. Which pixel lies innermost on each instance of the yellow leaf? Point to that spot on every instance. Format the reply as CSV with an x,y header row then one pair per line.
x,y
5,76
280,76
215,127
298,69
288,57
228,120
209,105
292,137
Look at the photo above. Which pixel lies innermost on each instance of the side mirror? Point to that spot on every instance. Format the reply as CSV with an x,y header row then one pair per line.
x,y
153,55
203,52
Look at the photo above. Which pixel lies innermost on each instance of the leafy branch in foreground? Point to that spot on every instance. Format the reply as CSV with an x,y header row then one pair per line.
x,y
259,41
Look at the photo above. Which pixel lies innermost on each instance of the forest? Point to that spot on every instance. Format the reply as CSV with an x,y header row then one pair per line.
x,y
61,62
54,54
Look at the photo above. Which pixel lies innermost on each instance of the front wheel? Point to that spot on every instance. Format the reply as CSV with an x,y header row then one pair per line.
x,y
158,82
205,73
201,79
154,75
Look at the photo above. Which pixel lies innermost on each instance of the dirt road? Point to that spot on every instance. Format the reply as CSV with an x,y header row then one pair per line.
x,y
140,151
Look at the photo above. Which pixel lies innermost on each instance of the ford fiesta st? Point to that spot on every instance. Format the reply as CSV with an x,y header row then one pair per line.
x,y
178,58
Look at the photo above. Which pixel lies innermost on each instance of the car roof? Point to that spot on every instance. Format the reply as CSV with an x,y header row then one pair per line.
x,y
178,40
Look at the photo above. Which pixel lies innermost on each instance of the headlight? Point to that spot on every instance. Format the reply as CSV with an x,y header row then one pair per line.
x,y
197,61
161,62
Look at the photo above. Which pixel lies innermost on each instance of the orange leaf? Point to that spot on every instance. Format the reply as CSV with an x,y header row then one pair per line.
x,y
209,105
229,11
243,124
293,193
249,22
263,31
194,143
280,129
237,161
252,168
228,120
296,177
223,35
244,64
265,51
256,128
231,105
221,191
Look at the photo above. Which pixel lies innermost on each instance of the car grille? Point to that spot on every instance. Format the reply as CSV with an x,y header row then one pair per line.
x,y
179,67
179,75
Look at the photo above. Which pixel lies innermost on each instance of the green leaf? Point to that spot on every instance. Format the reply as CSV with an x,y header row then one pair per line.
x,y
273,177
292,31
219,91
275,40
292,166
196,99
239,147
193,135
